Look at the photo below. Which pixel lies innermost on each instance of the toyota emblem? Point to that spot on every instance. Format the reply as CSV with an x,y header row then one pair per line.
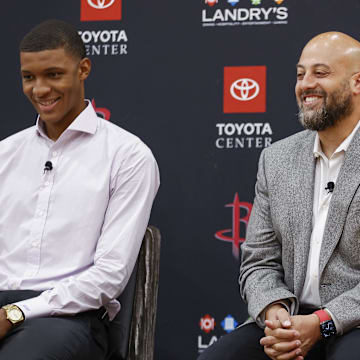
x,y
244,89
100,4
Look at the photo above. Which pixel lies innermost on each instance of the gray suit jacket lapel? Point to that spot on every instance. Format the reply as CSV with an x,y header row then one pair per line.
x,y
303,178
345,187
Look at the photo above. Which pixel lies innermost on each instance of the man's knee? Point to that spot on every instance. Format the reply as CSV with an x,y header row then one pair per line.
x,y
52,339
242,343
344,347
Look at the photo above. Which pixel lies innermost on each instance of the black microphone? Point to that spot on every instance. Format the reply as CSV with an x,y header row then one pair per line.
x,y
48,166
330,187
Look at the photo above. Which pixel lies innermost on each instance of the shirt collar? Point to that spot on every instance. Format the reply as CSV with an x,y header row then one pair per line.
x,y
317,151
86,121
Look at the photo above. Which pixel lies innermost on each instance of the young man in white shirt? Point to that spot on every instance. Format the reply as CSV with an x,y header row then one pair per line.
x,y
76,194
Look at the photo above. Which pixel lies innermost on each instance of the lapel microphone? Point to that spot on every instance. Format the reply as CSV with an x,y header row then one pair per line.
x,y
48,166
330,187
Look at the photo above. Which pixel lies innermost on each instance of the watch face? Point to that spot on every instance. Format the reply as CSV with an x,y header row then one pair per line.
x,y
15,314
327,329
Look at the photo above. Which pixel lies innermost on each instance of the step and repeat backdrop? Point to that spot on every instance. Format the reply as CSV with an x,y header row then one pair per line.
x,y
207,84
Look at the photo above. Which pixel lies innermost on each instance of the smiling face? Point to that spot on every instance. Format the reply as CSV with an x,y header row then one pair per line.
x,y
322,90
53,81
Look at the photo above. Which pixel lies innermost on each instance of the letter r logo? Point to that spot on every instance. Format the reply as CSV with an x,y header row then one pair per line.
x,y
100,10
234,235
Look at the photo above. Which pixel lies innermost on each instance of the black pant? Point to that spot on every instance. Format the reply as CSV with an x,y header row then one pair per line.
x,y
80,337
244,344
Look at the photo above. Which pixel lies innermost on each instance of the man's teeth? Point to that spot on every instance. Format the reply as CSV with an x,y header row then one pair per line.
x,y
310,99
47,103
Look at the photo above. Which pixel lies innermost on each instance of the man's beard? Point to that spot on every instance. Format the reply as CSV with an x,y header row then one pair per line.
x,y
335,107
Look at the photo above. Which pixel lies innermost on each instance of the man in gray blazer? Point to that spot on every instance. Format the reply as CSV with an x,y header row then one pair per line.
x,y
300,271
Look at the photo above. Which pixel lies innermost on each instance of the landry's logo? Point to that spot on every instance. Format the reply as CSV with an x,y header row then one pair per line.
x,y
234,235
207,323
244,13
229,324
100,10
244,89
211,2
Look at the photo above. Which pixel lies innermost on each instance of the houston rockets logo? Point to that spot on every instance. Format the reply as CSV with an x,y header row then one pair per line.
x,y
234,235
102,112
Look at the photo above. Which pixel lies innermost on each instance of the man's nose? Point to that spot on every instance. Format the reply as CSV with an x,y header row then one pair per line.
x,y
40,89
308,82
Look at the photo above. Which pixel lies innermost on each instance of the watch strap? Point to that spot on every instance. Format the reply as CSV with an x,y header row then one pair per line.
x,y
322,315
327,325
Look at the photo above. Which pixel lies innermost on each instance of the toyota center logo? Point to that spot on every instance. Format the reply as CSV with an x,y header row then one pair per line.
x,y
100,4
244,89
100,10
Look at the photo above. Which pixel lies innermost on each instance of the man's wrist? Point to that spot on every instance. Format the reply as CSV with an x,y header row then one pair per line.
x,y
5,320
327,326
316,322
272,309
13,314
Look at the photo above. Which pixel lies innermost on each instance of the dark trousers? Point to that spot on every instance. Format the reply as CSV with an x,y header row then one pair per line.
x,y
80,337
244,344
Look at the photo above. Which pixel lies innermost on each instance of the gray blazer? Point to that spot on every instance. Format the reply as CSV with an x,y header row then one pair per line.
x,y
275,253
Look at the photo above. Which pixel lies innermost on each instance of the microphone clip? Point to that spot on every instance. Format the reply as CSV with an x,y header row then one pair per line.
x,y
330,187
48,166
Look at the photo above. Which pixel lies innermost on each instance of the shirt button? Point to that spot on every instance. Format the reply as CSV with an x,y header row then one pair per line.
x,y
47,183
13,286
40,213
34,244
54,153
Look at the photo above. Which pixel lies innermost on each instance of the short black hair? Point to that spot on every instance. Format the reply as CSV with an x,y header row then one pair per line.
x,y
53,34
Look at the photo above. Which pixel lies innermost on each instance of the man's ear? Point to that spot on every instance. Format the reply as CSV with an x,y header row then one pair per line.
x,y
84,68
355,83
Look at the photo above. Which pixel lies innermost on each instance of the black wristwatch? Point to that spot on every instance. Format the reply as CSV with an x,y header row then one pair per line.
x,y
327,325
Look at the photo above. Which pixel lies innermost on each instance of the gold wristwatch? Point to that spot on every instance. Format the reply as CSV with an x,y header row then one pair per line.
x,y
14,314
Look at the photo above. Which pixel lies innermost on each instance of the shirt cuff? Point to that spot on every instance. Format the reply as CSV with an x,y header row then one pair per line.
x,y
339,329
35,307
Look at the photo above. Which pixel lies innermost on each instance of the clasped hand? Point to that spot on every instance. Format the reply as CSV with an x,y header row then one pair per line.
x,y
289,337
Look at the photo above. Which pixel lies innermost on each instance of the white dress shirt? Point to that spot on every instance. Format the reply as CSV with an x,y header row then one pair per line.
x,y
326,170
73,232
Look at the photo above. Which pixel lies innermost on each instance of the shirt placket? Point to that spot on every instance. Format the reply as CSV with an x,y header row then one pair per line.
x,y
320,219
40,215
